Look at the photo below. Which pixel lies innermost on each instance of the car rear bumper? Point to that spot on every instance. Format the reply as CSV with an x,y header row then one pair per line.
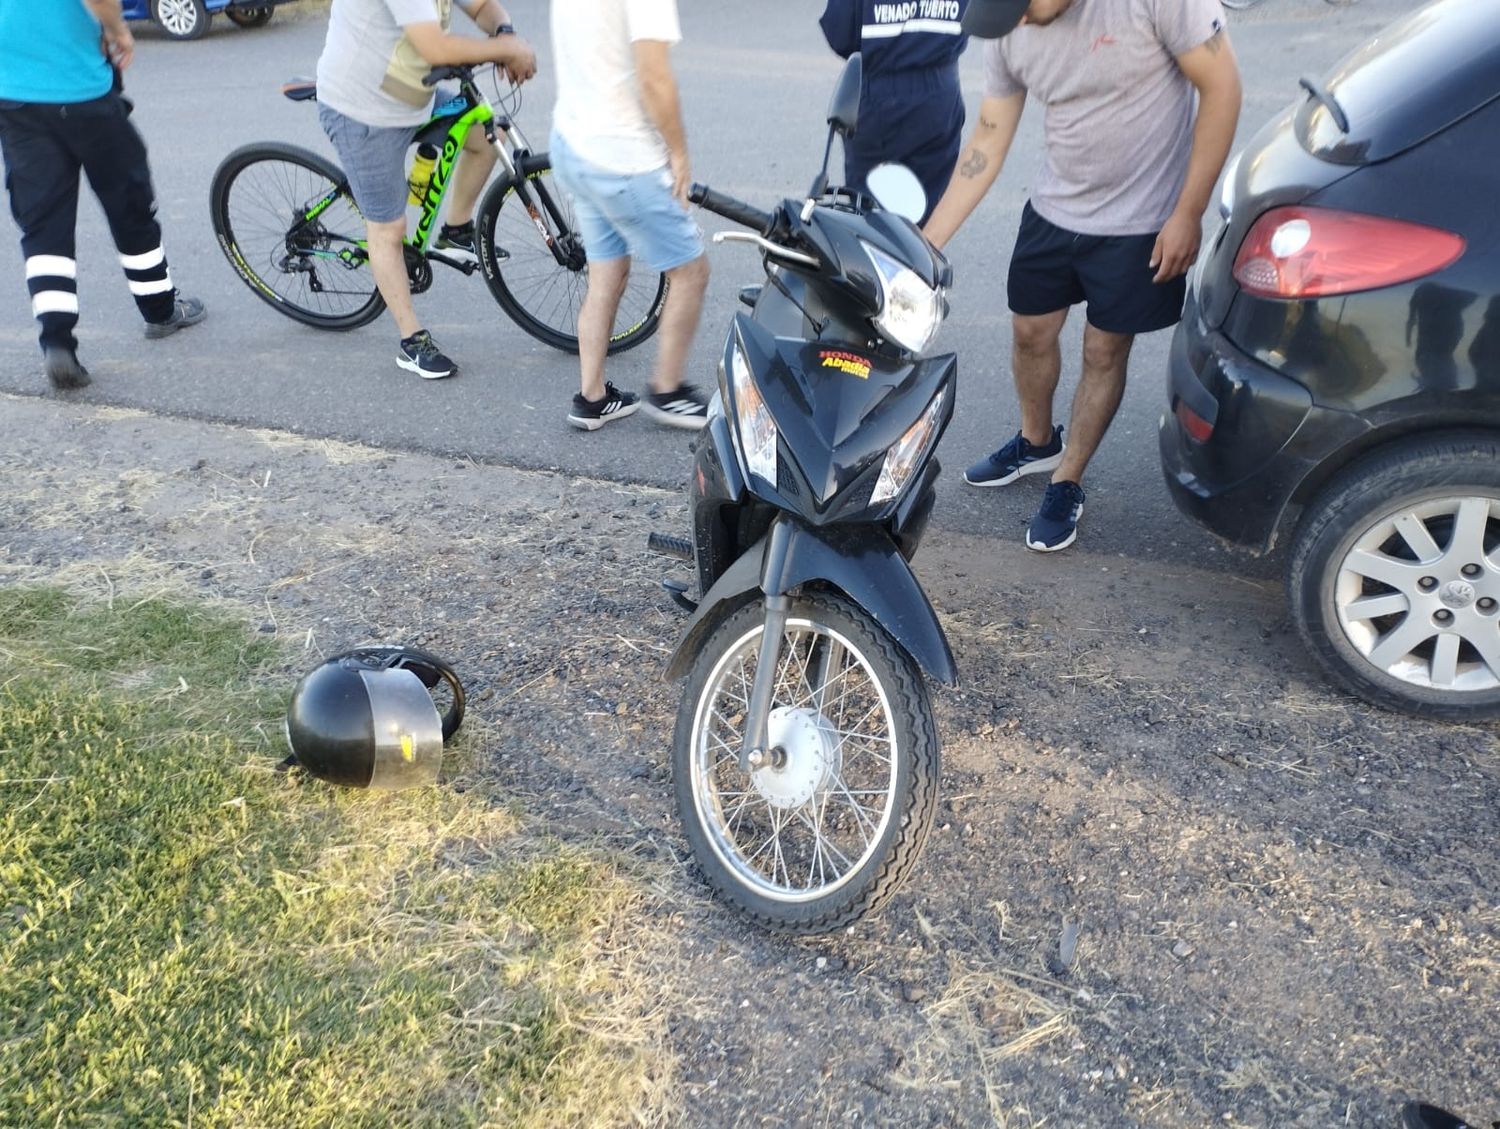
x,y
1267,436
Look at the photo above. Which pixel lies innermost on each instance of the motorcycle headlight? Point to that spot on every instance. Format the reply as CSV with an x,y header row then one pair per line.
x,y
756,428
910,310
909,452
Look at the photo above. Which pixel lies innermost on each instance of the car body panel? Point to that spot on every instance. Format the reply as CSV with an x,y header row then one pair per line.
x,y
1298,388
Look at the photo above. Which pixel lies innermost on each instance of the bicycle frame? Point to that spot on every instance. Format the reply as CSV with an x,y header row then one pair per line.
x,y
450,143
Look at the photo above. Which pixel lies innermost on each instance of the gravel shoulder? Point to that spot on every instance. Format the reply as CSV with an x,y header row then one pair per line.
x,y
1176,880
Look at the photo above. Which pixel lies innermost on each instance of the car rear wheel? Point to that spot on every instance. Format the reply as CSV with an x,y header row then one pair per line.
x,y
1394,577
181,19
249,17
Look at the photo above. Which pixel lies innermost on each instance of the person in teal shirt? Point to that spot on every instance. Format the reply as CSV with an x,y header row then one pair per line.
x,y
62,113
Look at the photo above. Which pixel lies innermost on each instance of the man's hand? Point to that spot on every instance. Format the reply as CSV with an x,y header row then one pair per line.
x,y
1177,246
682,177
118,46
520,64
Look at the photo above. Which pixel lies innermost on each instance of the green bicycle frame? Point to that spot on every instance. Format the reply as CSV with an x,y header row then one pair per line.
x,y
482,114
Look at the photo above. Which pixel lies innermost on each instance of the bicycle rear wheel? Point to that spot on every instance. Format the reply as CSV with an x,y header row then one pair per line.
x,y
541,284
288,225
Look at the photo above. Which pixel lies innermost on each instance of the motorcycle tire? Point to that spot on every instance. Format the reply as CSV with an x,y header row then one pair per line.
x,y
829,831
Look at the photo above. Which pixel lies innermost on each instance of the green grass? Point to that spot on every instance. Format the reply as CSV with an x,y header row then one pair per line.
x,y
188,938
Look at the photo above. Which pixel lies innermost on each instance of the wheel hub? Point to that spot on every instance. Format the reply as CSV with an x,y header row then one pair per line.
x,y
809,760
1457,594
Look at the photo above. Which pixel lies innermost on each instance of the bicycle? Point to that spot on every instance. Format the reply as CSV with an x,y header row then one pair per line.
x,y
288,224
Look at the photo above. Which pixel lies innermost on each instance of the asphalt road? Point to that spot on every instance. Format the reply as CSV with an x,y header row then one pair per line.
x,y
755,78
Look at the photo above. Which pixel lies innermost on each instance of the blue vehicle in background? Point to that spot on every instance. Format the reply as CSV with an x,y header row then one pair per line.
x,y
189,19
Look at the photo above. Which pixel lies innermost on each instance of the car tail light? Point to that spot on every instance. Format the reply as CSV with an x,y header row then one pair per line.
x,y
1195,425
1302,252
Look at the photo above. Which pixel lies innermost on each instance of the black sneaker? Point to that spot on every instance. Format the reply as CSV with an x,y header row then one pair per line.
x,y
684,407
458,242
185,312
420,354
591,415
63,368
1016,459
1056,523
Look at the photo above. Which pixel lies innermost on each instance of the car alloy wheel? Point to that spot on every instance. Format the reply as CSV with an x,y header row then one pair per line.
x,y
181,19
1394,576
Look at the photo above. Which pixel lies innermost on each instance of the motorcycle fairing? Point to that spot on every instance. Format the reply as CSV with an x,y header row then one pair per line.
x,y
840,425
859,560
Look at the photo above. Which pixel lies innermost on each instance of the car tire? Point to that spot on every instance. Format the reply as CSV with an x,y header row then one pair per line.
x,y
249,17
1394,577
181,19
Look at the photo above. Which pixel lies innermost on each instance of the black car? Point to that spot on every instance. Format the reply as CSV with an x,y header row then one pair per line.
x,y
1336,376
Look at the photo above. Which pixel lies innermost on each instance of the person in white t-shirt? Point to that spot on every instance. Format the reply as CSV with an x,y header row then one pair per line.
x,y
619,149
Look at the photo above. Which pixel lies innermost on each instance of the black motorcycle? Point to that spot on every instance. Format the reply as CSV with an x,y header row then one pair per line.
x,y
806,758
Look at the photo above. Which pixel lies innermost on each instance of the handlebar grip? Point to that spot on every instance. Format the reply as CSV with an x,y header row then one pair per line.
x,y
731,209
437,74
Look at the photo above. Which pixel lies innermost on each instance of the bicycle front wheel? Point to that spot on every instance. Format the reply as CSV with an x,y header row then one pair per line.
x,y
541,282
287,223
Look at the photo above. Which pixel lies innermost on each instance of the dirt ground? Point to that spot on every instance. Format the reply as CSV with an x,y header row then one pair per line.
x,y
1286,904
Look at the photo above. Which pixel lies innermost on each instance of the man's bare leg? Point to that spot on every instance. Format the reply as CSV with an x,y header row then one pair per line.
x,y
1036,364
388,262
469,176
679,322
596,319
1100,389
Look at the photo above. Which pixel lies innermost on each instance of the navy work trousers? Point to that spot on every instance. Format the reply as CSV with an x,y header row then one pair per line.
x,y
914,117
45,147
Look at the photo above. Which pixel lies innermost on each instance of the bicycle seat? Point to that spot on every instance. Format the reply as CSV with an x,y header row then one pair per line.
x,y
300,89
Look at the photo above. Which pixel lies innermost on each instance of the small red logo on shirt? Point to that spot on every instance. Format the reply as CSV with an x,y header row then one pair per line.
x,y
1102,41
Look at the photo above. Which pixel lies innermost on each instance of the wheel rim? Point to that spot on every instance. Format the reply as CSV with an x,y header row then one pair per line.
x,y
550,293
318,267
803,827
179,17
1418,594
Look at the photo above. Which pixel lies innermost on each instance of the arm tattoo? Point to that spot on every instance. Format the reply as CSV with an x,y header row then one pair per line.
x,y
977,162
985,123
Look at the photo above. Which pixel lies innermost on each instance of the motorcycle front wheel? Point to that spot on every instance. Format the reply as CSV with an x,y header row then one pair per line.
x,y
828,830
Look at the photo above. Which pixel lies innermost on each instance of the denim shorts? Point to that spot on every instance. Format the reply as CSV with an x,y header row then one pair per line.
x,y
622,214
374,160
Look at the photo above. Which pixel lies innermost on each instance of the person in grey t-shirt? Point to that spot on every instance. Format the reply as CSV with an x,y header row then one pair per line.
x,y
1114,220
371,100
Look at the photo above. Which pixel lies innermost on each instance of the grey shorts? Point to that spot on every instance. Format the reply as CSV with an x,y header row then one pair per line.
x,y
374,160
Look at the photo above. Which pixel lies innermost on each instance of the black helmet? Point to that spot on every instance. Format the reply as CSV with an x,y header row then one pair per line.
x,y
367,719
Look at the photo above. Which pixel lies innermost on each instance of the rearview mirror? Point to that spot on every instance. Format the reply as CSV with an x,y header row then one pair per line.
x,y
898,190
843,107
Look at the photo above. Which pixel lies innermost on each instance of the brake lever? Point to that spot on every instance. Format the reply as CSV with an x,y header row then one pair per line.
x,y
766,245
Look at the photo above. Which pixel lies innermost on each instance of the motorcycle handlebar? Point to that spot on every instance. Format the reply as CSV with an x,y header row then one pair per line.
x,y
731,209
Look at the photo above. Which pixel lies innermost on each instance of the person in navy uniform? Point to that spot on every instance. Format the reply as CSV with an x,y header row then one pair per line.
x,y
911,109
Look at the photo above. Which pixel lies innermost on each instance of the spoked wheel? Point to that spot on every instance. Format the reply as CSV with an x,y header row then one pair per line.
x,y
289,227
540,293
827,830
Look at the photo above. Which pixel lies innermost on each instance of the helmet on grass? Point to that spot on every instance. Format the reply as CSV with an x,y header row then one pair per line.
x,y
368,718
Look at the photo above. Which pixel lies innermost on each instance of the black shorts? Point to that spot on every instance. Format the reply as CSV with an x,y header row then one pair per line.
x,y
1053,268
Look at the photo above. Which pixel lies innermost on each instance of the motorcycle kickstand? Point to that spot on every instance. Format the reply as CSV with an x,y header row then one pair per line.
x,y
754,751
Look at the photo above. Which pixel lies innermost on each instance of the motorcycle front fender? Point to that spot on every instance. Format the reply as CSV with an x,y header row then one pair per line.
x,y
860,561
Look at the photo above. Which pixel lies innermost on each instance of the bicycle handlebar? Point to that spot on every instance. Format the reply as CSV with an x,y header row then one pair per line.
x,y
732,209
437,74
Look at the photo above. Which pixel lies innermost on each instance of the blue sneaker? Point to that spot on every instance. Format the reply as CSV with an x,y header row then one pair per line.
x,y
1016,459
1056,523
